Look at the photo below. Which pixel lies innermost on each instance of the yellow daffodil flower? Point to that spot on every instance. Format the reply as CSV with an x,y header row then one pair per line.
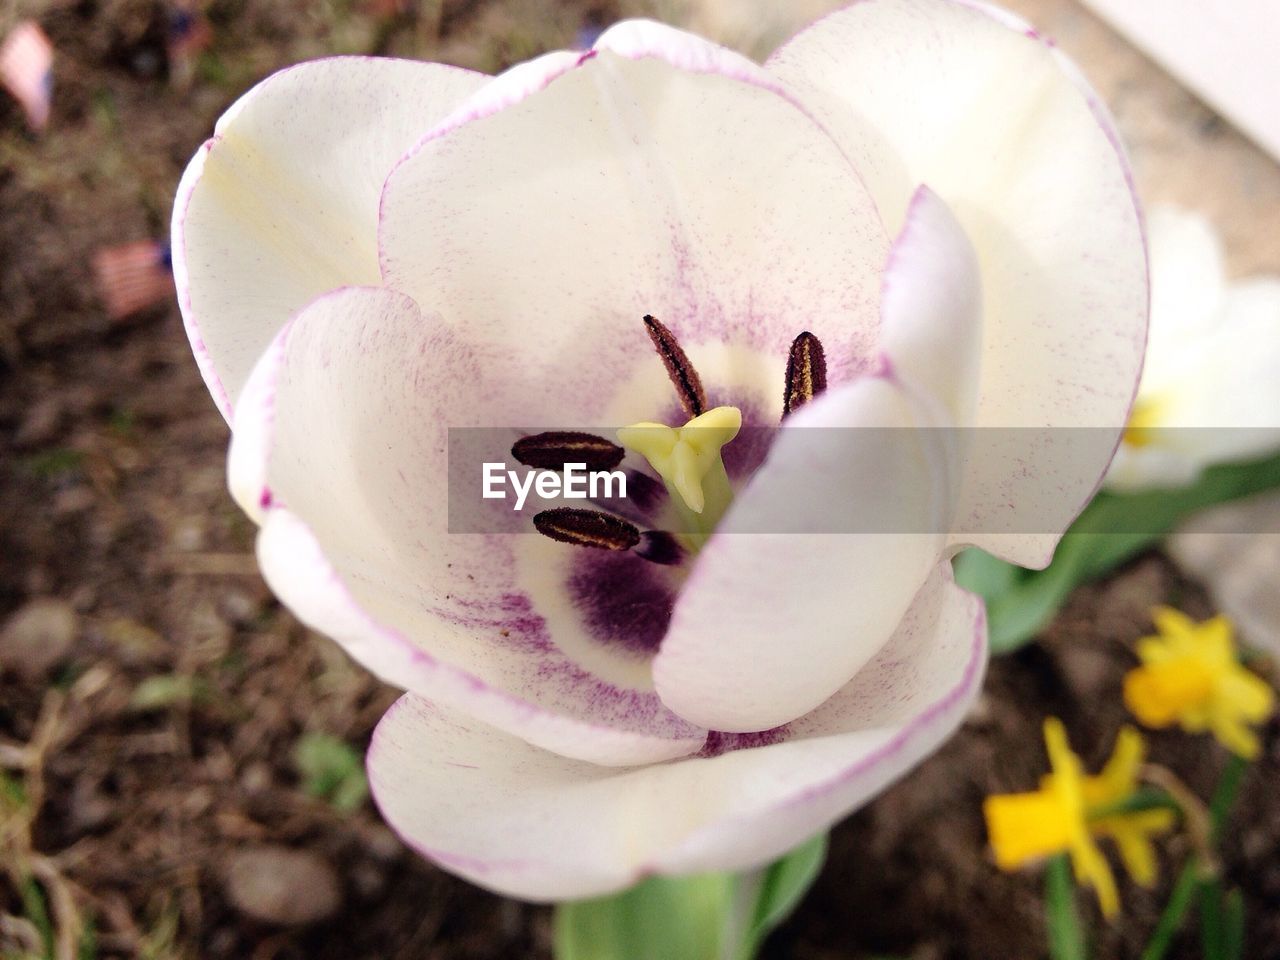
x,y
1191,676
1070,809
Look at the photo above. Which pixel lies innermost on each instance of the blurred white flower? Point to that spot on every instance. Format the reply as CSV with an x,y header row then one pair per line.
x,y
756,27
1235,550
1210,389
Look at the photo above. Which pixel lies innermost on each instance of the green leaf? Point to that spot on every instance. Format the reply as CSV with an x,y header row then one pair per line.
x,y
710,916
785,883
13,795
168,690
88,946
331,770
1114,528
37,911
1062,918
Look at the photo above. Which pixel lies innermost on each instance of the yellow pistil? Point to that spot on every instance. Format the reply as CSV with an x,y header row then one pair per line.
x,y
1070,809
1191,676
688,461
1144,419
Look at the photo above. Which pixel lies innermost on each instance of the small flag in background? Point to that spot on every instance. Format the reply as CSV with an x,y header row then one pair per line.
x,y
387,9
589,32
26,70
133,276
189,34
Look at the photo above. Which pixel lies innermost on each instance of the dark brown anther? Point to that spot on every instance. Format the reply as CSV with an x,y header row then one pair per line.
x,y
806,372
658,546
587,528
692,397
554,449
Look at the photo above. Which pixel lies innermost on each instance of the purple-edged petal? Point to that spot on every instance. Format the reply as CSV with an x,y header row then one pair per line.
x,y
341,449
529,824
1000,124
931,310
813,567
679,183
282,203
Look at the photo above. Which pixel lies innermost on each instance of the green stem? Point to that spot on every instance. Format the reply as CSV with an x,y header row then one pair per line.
x,y
1224,797
737,943
1212,925
1233,926
1137,802
1066,935
1186,888
1184,894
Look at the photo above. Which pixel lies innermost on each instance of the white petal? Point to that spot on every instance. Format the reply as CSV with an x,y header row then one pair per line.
x,y
1000,124
548,226
341,448
282,203
642,39
931,308
525,823
814,565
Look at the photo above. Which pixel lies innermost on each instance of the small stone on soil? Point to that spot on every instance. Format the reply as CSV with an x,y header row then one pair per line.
x,y
37,638
282,886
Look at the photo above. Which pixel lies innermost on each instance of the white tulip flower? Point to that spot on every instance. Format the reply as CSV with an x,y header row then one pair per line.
x,y
914,216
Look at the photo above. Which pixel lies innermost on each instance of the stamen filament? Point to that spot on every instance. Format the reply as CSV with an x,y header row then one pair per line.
x,y
658,546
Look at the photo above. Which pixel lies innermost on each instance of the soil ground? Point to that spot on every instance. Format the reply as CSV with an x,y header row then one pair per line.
x,y
163,737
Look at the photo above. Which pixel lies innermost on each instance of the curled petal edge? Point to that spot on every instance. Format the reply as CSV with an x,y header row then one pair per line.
x,y
302,576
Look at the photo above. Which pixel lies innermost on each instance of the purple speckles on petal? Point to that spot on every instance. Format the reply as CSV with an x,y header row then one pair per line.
x,y
516,603
720,743
624,600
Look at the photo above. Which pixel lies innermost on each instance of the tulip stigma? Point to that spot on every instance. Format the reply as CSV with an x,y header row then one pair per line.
x,y
688,461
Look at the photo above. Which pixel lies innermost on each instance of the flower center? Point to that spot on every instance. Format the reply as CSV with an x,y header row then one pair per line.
x,y
687,458
688,461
